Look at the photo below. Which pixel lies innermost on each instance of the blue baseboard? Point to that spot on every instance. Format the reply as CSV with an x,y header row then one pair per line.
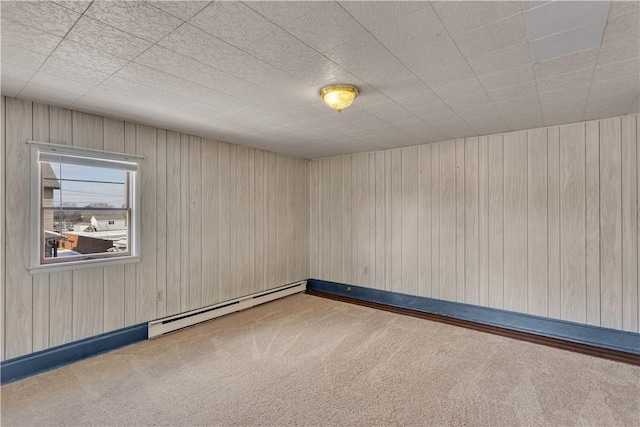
x,y
45,360
611,339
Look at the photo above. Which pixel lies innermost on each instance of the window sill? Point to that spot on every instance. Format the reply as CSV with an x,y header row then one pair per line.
x,y
82,265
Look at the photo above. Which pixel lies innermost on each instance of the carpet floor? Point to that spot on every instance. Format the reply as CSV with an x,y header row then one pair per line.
x,y
305,360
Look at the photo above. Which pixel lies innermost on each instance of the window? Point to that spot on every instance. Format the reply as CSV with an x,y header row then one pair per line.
x,y
84,206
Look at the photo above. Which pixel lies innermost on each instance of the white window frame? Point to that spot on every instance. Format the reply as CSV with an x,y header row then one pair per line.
x,y
89,157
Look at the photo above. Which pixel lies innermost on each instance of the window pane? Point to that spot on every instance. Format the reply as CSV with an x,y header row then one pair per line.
x,y
81,232
67,185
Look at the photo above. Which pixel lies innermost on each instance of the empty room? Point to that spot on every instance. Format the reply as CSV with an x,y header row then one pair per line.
x,y
330,213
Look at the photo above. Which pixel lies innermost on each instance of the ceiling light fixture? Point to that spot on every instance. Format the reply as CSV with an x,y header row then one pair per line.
x,y
339,97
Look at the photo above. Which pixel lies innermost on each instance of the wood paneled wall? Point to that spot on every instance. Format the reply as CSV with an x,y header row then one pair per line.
x,y
218,221
543,221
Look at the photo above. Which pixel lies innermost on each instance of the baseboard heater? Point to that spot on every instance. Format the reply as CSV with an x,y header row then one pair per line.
x,y
183,320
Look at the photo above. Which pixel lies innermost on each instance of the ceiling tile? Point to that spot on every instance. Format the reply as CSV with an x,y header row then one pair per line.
x,y
622,27
53,90
508,77
620,51
566,64
134,17
88,57
180,9
402,27
23,58
105,38
463,16
565,95
169,62
500,60
146,93
480,110
493,37
635,107
563,81
618,70
25,37
76,5
14,78
459,90
566,43
70,71
623,7
234,22
157,79
518,106
199,45
526,5
42,15
559,16
283,13
527,88
468,101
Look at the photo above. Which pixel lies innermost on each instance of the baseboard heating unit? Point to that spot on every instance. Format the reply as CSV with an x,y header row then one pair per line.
x,y
183,320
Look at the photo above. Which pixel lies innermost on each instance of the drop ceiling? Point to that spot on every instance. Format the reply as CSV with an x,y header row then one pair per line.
x,y
250,72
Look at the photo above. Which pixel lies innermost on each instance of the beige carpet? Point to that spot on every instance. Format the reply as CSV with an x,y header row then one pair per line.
x,y
305,360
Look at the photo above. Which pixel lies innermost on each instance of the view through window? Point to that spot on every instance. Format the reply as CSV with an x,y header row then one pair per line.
x,y
85,210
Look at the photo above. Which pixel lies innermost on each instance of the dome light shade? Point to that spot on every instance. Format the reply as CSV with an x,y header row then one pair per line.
x,y
339,97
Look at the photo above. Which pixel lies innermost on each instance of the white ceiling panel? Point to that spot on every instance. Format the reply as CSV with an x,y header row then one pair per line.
x,y
134,17
107,39
250,72
560,16
43,15
180,9
16,34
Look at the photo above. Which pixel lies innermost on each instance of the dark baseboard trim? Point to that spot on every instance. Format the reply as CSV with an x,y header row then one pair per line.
x,y
591,340
45,360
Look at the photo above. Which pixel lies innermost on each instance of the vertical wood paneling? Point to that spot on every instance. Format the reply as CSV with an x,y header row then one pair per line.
x,y
448,220
270,253
314,207
372,222
224,249
260,210
380,252
483,221
611,223
173,222
184,222
424,221
553,197
629,226
435,221
40,281
496,221
592,186
537,292
146,269
325,229
515,221
242,231
60,284
162,245
203,217
572,223
362,188
88,285
114,285
396,221
210,196
130,285
471,224
3,190
460,220
335,166
347,203
233,223
409,220
195,222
